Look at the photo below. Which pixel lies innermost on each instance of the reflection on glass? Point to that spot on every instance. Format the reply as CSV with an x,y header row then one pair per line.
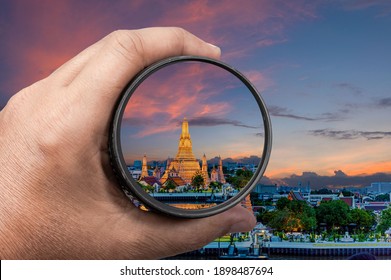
x,y
219,127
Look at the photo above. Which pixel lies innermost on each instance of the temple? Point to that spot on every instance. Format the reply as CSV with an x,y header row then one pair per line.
x,y
217,175
184,166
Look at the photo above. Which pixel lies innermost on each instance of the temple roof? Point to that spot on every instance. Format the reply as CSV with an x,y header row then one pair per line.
x,y
295,195
348,200
178,181
151,180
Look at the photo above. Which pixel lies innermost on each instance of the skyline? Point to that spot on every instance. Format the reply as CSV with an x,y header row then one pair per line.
x,y
322,67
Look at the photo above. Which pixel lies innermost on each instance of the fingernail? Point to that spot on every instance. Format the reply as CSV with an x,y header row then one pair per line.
x,y
217,49
213,45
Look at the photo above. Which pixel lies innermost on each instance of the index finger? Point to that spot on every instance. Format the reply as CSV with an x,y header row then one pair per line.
x,y
123,55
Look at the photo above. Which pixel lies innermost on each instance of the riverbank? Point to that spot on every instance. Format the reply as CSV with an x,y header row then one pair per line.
x,y
328,248
298,250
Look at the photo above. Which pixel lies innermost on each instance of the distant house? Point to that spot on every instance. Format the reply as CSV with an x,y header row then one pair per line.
x,y
176,180
151,181
349,200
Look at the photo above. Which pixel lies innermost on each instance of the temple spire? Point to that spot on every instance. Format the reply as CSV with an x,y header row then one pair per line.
x,y
144,170
185,163
220,171
185,129
185,147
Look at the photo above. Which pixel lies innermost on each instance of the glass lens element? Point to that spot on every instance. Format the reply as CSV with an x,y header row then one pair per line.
x,y
192,135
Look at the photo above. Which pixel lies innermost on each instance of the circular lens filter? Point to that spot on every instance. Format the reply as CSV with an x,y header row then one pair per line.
x,y
190,137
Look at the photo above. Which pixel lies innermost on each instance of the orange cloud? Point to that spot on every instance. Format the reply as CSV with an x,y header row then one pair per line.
x,y
239,27
186,91
40,36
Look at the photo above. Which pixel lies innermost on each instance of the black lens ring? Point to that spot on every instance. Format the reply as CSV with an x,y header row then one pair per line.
x,y
118,162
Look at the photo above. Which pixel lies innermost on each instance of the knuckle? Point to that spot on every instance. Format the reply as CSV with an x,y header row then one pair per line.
x,y
129,45
16,101
180,35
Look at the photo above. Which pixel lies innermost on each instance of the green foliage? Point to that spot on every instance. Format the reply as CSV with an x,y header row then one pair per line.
x,y
377,236
170,185
309,221
347,193
240,179
361,237
254,196
334,213
312,237
147,188
198,180
215,185
279,220
363,219
282,203
382,197
259,202
322,191
385,221
291,216
244,173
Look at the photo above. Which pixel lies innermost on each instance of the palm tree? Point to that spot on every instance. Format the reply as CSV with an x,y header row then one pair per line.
x,y
198,180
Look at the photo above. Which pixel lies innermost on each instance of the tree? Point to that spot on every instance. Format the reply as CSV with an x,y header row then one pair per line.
x,y
382,197
265,217
244,173
322,191
362,218
170,185
309,222
260,214
385,221
291,216
146,187
198,180
347,193
278,220
282,203
215,185
334,213
241,178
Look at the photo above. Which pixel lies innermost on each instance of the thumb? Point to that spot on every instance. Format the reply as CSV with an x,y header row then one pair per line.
x,y
176,236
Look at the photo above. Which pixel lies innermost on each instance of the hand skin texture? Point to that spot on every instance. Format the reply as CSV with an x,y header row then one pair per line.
x,y
59,198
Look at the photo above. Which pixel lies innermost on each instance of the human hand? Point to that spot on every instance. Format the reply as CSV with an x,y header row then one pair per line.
x,y
59,198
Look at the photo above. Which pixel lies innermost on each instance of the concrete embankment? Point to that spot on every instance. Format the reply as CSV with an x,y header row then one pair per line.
x,y
328,249
301,249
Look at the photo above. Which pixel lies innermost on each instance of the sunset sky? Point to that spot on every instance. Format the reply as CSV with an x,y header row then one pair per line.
x,y
322,66
224,118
